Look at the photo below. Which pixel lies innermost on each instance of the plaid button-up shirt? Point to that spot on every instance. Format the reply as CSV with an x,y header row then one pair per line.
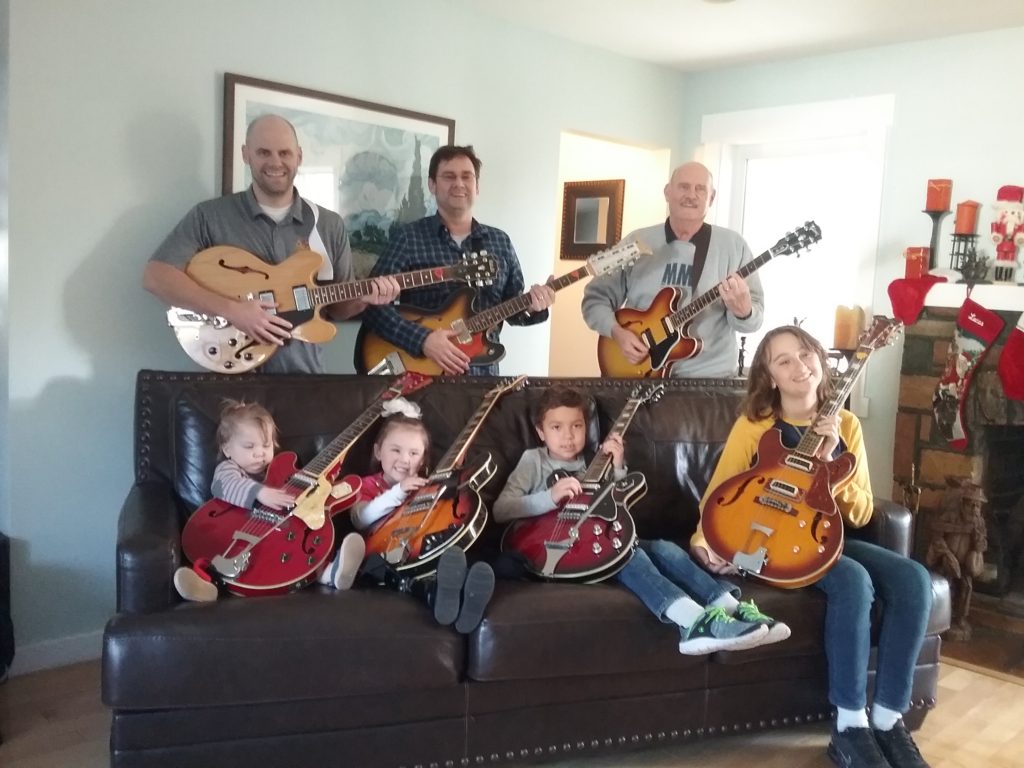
x,y
427,243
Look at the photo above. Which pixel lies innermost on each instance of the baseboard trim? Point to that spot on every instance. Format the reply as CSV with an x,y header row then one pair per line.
x,y
48,654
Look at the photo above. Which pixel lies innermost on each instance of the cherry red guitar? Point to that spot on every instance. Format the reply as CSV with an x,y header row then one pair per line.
x,y
590,537
778,521
445,512
262,551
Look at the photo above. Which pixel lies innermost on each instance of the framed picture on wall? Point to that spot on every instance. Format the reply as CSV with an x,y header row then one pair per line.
x,y
591,216
366,161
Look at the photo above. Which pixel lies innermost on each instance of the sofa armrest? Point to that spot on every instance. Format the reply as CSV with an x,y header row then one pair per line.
x,y
891,526
148,549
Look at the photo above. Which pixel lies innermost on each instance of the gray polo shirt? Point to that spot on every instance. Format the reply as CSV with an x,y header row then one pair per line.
x,y
237,220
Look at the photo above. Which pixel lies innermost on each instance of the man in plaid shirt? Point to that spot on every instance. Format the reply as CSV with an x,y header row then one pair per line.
x,y
441,240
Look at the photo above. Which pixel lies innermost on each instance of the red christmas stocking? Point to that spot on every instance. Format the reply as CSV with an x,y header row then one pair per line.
x,y
1011,363
907,296
976,329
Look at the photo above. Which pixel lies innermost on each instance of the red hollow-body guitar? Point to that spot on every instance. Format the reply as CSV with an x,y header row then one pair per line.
x,y
665,328
262,551
445,512
778,521
590,537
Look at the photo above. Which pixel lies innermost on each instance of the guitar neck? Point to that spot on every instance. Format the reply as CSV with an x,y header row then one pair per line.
x,y
811,440
489,318
332,293
708,298
598,468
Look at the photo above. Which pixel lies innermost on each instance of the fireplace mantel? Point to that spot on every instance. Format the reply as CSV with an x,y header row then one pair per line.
x,y
1009,298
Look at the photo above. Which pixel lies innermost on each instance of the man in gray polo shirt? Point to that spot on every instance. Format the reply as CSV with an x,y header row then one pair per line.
x,y
271,221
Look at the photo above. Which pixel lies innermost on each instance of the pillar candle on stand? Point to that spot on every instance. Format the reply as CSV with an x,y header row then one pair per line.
x,y
966,218
940,192
849,323
917,261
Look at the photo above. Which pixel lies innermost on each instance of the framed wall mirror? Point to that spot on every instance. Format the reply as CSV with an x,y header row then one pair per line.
x,y
591,216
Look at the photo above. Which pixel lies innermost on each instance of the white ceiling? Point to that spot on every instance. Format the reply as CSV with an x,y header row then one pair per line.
x,y
693,35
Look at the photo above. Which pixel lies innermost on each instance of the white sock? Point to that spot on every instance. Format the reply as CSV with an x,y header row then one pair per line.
x,y
683,612
884,718
850,718
727,602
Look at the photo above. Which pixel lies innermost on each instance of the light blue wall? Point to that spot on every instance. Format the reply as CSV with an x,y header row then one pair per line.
x,y
958,115
116,130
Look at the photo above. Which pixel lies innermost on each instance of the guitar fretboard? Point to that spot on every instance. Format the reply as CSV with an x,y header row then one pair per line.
x,y
489,318
353,289
598,468
811,440
454,455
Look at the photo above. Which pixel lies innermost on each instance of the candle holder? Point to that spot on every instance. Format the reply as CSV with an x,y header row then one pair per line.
x,y
964,259
936,217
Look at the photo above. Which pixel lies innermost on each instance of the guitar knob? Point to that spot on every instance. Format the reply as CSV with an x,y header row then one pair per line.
x,y
802,524
617,526
826,524
796,550
617,543
821,550
596,548
285,557
247,356
228,364
232,342
316,540
211,351
309,560
290,536
598,530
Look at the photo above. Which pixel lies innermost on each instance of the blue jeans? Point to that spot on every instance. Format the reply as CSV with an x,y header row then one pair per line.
x,y
661,572
865,573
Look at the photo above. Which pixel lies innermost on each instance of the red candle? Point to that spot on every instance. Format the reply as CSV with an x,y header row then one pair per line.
x,y
917,262
966,218
940,192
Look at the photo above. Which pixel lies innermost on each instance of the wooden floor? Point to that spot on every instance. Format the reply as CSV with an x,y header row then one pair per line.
x,y
54,719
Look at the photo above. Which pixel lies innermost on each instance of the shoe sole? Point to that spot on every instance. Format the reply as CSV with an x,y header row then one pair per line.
x,y
476,594
350,557
705,645
194,588
836,758
451,574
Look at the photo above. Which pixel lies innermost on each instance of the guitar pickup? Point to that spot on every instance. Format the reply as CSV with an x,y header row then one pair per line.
x,y
768,501
461,331
783,488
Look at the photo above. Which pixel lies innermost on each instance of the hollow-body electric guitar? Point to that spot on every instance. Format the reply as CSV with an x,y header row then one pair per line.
x,y
262,551
778,521
665,329
589,537
215,344
445,512
474,331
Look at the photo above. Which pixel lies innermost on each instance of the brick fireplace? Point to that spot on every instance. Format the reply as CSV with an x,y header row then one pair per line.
x,y
994,456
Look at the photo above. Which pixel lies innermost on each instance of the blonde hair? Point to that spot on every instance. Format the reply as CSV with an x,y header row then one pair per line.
x,y
233,413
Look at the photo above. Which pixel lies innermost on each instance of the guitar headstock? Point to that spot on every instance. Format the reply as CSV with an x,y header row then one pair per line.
x,y
794,242
620,256
406,384
650,393
509,384
883,332
478,268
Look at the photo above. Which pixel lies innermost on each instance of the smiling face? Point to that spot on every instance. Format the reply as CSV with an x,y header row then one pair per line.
x,y
689,193
401,452
455,187
250,446
794,367
564,431
273,155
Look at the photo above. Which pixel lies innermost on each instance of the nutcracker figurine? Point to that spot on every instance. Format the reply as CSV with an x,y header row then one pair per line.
x,y
1008,232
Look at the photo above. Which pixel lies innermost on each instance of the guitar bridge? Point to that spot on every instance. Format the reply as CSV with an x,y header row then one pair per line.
x,y
461,331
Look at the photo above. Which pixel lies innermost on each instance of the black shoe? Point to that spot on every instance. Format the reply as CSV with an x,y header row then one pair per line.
x,y
451,575
899,748
856,748
476,594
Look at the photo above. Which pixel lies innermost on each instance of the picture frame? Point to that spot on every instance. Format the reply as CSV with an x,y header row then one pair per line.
x,y
367,162
591,216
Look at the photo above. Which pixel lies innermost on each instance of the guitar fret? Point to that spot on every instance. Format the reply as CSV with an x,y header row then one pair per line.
x,y
332,293
489,318
595,472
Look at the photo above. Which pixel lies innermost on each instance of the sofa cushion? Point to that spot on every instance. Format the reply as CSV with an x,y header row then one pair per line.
x,y
317,643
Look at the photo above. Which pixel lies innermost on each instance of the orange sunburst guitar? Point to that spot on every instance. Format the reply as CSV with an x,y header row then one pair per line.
x,y
262,551
217,345
474,330
665,329
445,512
779,521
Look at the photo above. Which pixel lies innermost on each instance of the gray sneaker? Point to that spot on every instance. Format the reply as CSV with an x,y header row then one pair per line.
x,y
715,630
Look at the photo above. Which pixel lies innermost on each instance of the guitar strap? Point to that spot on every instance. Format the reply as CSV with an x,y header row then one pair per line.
x,y
701,240
316,243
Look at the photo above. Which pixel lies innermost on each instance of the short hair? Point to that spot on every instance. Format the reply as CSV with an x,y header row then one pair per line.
x,y
561,397
236,412
763,400
450,152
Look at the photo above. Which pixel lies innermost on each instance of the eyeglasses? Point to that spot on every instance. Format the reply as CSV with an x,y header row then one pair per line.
x,y
451,178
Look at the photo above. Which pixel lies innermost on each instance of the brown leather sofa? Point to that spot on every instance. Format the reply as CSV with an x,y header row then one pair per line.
x,y
365,678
